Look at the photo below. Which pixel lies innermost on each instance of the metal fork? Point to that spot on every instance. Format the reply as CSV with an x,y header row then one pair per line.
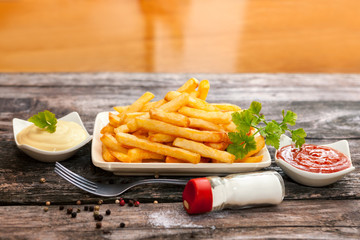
x,y
106,190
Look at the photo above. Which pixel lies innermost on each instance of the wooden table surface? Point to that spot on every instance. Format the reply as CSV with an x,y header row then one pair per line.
x,y
180,36
328,108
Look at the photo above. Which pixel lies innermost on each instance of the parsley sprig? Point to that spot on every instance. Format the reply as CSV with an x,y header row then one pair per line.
x,y
243,143
45,120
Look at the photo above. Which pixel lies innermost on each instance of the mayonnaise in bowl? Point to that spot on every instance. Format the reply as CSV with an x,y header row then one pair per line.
x,y
48,147
67,135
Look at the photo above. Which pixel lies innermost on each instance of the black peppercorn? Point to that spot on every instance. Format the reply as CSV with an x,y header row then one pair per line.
x,y
73,214
122,225
86,208
91,208
69,210
98,225
61,207
131,203
99,217
108,212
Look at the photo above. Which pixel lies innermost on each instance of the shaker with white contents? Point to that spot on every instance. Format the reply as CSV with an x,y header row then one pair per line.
x,y
234,191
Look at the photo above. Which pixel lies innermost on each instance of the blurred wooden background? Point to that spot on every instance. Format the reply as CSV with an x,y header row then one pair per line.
x,y
216,36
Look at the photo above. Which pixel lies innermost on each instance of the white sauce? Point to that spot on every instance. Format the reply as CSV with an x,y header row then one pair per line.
x,y
67,135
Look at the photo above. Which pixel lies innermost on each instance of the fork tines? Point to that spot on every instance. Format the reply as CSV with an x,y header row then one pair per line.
x,y
75,179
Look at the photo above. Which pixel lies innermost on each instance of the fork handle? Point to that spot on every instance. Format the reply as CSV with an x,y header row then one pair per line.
x,y
162,180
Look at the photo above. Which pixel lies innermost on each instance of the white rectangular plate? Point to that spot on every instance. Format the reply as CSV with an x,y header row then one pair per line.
x,y
180,169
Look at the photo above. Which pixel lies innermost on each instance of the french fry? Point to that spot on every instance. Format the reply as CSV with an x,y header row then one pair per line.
x,y
123,128
159,148
141,133
176,103
112,144
114,120
132,126
159,137
260,143
166,128
189,86
169,117
204,150
194,94
130,116
253,159
107,129
151,105
230,127
120,109
215,117
138,155
107,155
193,102
219,146
203,90
226,107
203,124
137,105
122,157
174,160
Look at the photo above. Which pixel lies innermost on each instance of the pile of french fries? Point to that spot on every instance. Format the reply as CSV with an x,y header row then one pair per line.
x,y
180,128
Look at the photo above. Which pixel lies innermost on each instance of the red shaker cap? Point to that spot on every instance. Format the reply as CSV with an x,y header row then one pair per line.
x,y
197,196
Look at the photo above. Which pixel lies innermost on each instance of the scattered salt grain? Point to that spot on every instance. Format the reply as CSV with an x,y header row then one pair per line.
x,y
170,218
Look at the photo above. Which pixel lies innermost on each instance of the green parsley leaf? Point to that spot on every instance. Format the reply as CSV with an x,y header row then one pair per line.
x,y
45,120
298,136
273,128
289,118
273,140
243,120
241,144
255,107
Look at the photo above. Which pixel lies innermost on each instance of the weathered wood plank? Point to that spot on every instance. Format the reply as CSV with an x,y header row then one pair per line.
x,y
19,180
321,119
116,79
279,87
325,219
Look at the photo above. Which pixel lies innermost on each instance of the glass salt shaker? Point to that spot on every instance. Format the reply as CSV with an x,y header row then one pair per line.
x,y
233,191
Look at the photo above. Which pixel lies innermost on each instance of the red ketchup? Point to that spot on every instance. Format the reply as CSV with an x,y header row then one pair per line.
x,y
314,158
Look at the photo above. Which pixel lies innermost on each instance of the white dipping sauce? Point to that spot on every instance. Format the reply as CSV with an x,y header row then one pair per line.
x,y
67,135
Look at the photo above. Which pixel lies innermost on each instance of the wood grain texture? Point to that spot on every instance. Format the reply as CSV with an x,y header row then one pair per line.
x,y
328,107
180,36
290,219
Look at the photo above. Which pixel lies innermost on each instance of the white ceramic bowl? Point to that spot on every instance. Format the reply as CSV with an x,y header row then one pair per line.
x,y
49,156
310,178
